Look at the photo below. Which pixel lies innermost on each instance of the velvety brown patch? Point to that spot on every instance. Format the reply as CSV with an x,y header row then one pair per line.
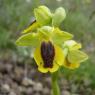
x,y
47,53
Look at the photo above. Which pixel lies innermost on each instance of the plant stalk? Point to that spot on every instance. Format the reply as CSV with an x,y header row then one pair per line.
x,y
55,86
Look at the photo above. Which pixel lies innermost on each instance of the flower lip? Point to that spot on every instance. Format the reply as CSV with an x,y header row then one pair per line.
x,y
47,53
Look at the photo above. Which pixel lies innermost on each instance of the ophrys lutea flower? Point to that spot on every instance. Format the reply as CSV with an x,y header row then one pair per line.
x,y
73,55
47,42
53,48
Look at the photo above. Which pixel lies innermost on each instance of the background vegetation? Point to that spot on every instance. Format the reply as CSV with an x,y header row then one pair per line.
x,y
15,15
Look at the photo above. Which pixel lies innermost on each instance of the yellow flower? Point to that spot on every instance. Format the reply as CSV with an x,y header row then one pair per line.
x,y
52,46
48,53
73,56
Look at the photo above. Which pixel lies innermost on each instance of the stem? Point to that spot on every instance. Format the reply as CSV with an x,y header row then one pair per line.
x,y
55,87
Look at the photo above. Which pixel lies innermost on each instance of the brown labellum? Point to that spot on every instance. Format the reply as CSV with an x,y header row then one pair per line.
x,y
47,53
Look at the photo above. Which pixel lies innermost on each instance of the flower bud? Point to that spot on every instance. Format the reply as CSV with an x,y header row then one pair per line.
x,y
43,15
58,16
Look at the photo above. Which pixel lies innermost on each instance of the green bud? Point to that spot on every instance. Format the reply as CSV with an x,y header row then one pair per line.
x,y
58,16
43,15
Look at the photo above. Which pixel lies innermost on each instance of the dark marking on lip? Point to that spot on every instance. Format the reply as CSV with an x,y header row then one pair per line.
x,y
47,53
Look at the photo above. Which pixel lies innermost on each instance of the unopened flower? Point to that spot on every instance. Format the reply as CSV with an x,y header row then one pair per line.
x,y
58,16
44,17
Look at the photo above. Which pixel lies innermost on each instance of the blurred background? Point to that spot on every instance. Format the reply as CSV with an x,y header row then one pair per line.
x,y
18,72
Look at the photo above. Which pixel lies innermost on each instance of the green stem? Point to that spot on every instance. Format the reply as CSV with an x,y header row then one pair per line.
x,y
55,87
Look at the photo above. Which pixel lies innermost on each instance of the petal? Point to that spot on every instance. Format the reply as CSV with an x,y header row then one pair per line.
x,y
54,68
77,56
39,61
59,55
31,27
71,65
37,56
72,45
59,59
42,69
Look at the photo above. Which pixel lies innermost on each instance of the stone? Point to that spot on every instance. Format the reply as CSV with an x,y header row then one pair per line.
x,y
29,91
38,87
12,93
6,87
46,91
66,92
27,82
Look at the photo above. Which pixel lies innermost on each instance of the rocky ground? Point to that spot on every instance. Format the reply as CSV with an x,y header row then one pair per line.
x,y
18,78
21,79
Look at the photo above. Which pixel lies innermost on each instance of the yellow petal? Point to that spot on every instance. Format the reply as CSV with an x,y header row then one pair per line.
x,y
54,68
71,65
39,61
58,59
32,27
42,69
59,55
37,56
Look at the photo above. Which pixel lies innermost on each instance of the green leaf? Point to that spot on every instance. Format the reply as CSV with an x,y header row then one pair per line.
x,y
60,36
77,56
58,16
43,15
30,39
